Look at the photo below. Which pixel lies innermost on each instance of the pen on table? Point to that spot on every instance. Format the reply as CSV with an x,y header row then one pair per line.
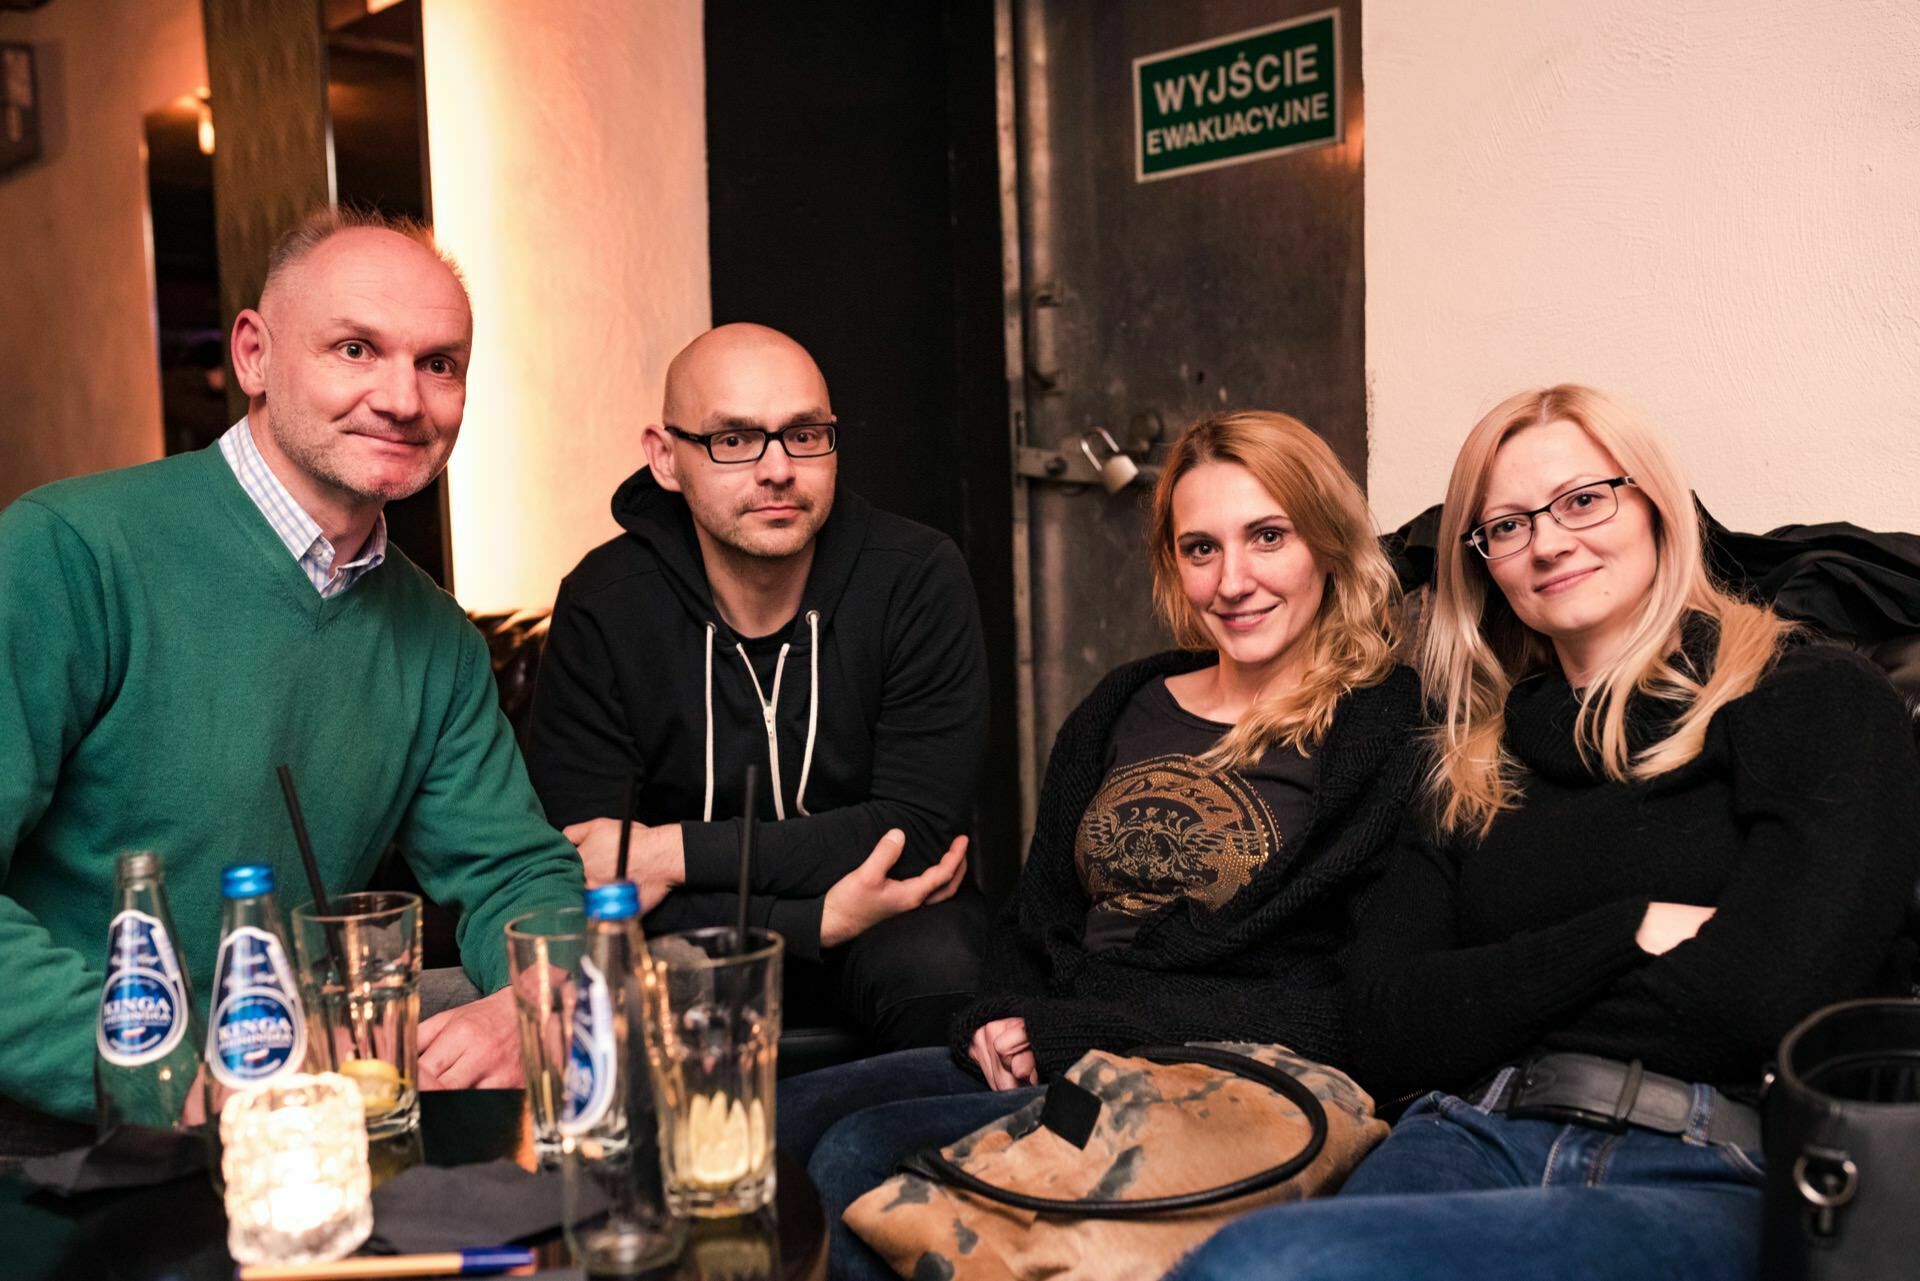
x,y
453,1263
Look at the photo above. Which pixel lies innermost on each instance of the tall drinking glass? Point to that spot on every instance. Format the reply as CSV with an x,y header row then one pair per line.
x,y
713,1033
360,978
543,955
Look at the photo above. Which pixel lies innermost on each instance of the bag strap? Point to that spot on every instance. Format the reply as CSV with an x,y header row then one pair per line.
x,y
930,1164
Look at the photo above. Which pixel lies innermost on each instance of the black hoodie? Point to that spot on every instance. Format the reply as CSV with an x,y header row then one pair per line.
x,y
878,685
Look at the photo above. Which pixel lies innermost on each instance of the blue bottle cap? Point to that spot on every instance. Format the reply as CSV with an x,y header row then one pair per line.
x,y
247,880
619,901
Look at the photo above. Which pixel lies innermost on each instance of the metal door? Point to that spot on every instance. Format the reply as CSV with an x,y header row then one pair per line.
x,y
1136,306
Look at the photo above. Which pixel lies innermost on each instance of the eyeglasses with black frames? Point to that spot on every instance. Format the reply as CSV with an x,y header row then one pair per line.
x,y
1581,508
748,444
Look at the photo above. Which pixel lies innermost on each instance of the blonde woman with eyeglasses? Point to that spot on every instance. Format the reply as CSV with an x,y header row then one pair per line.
x,y
1665,827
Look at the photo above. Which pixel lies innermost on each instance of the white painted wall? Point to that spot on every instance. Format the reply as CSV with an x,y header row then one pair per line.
x,y
568,150
79,369
1709,209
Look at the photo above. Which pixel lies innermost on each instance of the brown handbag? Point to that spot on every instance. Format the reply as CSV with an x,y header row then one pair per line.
x,y
1124,1166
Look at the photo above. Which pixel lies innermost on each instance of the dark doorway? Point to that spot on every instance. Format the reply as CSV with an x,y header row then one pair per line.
x,y
186,276
376,99
852,180
376,119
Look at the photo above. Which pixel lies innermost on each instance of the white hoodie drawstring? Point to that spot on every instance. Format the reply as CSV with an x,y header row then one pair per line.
x,y
768,710
706,806
813,707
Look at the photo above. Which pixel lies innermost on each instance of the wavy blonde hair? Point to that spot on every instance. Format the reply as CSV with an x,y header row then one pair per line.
x,y
1476,647
1352,637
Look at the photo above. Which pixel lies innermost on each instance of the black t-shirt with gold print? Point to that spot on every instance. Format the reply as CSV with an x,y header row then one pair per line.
x,y
1164,827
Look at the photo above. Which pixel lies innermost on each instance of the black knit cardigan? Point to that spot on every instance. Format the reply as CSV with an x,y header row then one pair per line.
x,y
1798,821
1266,966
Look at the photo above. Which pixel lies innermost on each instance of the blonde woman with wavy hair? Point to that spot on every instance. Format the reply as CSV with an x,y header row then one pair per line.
x,y
1665,828
1347,641
1210,820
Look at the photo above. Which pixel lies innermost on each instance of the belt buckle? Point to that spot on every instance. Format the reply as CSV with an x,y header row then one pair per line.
x,y
1564,1112
1523,1103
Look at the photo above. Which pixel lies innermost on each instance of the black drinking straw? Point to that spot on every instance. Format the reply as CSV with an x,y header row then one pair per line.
x,y
626,826
306,842
749,825
319,889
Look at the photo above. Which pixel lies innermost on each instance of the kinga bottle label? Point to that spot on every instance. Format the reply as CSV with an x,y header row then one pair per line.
x,y
143,1007
591,1054
259,1030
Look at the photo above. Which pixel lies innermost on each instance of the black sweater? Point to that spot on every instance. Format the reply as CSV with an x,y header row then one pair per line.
x,y
1265,967
885,724
1797,823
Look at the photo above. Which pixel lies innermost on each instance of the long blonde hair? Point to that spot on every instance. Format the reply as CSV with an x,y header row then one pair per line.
x,y
1476,647
1352,637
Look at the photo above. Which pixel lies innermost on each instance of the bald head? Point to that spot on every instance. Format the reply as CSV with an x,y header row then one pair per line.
x,y
730,385
721,374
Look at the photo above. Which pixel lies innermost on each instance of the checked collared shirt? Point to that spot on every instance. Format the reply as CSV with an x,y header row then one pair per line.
x,y
299,531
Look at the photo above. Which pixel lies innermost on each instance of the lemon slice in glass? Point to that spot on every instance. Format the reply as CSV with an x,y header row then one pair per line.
x,y
379,1084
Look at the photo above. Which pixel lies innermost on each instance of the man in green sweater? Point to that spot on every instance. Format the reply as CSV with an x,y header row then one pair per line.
x,y
170,633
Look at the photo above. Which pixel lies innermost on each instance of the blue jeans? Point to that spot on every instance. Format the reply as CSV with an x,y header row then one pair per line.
x,y
1459,1194
853,1123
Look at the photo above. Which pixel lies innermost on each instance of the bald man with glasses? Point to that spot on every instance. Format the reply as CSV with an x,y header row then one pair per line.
x,y
750,614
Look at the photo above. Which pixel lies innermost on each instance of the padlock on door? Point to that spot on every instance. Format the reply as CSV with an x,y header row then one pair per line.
x,y
1117,471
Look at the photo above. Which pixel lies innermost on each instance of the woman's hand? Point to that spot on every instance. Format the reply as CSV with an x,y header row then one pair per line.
x,y
1004,1055
1668,925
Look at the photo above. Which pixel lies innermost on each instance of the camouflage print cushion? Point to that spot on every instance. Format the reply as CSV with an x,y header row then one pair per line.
x,y
1162,1130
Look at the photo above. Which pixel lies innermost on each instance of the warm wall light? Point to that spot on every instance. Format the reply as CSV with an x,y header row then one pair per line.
x,y
205,106
585,247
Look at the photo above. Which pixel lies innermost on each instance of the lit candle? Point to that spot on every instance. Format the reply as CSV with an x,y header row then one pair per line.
x,y
295,1162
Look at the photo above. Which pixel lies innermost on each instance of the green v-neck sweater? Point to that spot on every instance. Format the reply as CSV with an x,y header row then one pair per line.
x,y
160,653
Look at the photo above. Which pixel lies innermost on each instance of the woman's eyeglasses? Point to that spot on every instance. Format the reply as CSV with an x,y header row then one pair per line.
x,y
1580,508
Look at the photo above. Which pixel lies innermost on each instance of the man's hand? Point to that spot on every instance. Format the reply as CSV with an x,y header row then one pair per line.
x,y
867,896
194,1112
1004,1054
472,1047
655,856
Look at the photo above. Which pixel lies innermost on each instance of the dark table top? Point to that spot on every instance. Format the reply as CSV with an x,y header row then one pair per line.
x,y
178,1231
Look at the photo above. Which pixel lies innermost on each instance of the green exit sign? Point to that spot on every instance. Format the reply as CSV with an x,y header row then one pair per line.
x,y
1241,97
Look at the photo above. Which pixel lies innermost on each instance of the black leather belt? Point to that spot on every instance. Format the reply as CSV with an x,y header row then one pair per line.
x,y
1610,1095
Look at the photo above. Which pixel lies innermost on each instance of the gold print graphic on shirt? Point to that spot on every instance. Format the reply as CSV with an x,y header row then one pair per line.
x,y
1169,827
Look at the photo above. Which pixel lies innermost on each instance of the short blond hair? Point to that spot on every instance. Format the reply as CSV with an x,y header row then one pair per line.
x,y
320,225
1353,635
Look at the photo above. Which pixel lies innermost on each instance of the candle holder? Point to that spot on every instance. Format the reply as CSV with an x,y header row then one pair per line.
x,y
295,1164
